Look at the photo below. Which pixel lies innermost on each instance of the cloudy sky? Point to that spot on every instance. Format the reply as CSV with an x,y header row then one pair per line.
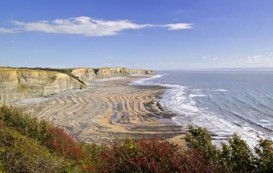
x,y
156,34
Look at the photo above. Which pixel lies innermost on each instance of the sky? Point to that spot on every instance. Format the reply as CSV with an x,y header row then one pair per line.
x,y
150,34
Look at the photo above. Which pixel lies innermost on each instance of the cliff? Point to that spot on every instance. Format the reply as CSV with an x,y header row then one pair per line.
x,y
87,74
84,74
16,84
20,83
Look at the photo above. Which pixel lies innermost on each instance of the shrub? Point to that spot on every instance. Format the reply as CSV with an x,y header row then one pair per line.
x,y
125,156
52,137
234,156
1,164
62,143
30,145
264,152
21,154
199,139
237,155
91,154
156,156
16,119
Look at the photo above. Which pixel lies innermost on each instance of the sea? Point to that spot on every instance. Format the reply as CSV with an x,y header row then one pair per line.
x,y
224,102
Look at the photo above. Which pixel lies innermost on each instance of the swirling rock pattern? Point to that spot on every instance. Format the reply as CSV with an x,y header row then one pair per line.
x,y
110,109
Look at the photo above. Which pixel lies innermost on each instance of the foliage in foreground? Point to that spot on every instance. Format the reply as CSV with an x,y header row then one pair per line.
x,y
30,145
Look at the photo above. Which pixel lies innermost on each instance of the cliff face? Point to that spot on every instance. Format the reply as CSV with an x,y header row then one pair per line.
x,y
111,72
139,72
16,84
86,74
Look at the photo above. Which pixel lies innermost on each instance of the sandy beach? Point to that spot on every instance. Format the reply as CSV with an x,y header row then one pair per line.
x,y
108,109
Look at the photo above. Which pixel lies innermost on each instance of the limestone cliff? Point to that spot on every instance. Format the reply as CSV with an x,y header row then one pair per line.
x,y
139,72
16,84
20,83
111,72
86,74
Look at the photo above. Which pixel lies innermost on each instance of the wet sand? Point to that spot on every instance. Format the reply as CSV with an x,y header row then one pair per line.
x,y
109,109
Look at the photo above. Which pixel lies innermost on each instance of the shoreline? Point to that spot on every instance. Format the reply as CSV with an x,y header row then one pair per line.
x,y
109,109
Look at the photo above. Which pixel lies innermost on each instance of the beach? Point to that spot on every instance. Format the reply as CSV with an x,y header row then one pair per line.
x,y
108,109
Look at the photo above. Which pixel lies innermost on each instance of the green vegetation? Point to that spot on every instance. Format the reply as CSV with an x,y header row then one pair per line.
x,y
234,156
96,71
22,88
30,145
22,154
52,79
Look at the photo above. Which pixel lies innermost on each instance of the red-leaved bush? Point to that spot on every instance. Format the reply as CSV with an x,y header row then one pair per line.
x,y
62,143
155,156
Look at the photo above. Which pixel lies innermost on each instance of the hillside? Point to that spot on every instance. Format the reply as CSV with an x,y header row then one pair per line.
x,y
29,145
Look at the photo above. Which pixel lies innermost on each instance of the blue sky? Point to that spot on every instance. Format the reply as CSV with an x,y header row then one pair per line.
x,y
155,34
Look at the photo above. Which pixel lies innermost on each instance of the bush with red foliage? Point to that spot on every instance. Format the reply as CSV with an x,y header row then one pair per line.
x,y
62,143
150,156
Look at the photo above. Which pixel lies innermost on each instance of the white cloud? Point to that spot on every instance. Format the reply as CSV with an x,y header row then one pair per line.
x,y
4,30
87,26
81,25
260,60
210,58
179,26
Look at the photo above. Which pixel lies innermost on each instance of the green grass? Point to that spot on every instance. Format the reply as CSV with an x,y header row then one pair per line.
x,y
26,144
23,154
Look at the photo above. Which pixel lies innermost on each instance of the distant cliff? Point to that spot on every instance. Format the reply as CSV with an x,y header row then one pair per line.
x,y
86,74
20,83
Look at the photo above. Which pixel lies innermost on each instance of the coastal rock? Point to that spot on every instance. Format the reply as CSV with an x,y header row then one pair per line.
x,y
87,74
84,74
21,83
112,72
16,84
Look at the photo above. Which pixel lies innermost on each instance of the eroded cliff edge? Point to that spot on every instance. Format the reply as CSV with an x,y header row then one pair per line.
x,y
86,74
21,83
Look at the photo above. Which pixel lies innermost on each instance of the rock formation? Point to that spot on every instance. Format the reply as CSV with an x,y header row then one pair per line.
x,y
16,84
86,74
20,83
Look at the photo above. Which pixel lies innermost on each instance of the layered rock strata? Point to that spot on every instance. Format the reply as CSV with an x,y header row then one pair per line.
x,y
21,83
87,74
16,84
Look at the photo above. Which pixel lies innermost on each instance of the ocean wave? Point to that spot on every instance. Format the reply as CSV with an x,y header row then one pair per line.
x,y
184,102
145,81
220,90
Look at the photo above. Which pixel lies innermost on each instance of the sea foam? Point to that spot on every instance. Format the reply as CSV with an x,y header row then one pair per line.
x,y
183,101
